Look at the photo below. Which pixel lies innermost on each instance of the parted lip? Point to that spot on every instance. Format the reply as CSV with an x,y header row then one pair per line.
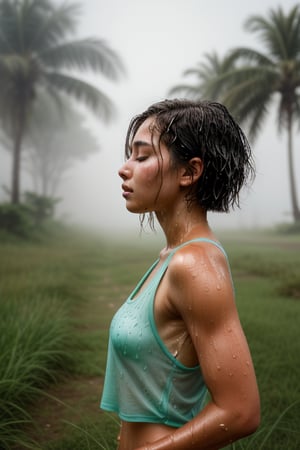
x,y
125,188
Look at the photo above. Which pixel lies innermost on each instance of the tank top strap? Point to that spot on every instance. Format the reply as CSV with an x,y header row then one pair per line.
x,y
143,279
164,266
160,272
210,241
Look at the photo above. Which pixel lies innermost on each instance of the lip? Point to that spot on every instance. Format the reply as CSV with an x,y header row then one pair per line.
x,y
126,190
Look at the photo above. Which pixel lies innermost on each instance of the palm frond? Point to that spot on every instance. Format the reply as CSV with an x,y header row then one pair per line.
x,y
54,26
257,120
209,78
13,65
249,106
270,35
197,71
84,54
248,82
251,56
280,32
18,23
281,115
8,27
293,28
82,91
297,111
184,90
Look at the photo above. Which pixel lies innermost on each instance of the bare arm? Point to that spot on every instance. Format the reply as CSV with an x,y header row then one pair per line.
x,y
200,289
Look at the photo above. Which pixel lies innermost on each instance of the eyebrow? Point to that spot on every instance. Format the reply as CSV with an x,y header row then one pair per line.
x,y
141,144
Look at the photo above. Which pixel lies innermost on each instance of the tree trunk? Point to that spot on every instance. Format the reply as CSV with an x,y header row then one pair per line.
x,y
16,164
293,187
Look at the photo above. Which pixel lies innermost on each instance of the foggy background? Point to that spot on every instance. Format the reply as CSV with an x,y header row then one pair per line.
x,y
157,40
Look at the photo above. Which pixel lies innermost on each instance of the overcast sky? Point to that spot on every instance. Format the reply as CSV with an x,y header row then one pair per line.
x,y
157,41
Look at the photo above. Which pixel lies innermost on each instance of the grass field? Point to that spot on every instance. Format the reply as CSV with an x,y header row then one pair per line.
x,y
57,298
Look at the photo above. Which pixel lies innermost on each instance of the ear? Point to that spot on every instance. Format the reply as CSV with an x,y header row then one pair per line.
x,y
186,178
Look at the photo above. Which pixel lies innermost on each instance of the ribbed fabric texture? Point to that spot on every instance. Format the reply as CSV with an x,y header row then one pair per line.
x,y
144,382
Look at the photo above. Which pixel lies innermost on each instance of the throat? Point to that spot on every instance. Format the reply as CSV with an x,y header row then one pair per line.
x,y
182,226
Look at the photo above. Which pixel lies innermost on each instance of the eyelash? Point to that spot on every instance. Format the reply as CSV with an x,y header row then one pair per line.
x,y
141,158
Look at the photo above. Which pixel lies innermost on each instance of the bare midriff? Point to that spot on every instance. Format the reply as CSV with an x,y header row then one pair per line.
x,y
135,434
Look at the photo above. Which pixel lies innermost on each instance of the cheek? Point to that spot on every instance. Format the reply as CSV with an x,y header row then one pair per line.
x,y
150,174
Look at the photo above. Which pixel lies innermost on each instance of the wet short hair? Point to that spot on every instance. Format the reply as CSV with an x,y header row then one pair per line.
x,y
203,129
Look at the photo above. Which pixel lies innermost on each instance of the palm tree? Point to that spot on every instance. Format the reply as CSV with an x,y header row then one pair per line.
x,y
253,80
35,56
274,75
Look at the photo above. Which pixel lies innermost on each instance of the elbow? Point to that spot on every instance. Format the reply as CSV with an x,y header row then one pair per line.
x,y
251,424
249,420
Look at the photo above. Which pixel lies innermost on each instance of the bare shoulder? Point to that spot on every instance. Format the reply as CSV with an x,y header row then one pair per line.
x,y
197,261
199,277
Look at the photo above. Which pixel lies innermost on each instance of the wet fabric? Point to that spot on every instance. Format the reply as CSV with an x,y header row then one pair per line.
x,y
144,382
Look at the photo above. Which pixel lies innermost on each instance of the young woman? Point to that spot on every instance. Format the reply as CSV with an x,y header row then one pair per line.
x,y
178,336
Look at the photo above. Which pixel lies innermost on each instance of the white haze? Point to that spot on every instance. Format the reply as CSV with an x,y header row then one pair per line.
x,y
157,41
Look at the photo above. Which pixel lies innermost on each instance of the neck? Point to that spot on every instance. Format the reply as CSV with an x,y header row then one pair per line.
x,y
184,225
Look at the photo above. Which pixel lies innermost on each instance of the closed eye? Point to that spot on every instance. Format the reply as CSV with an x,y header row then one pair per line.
x,y
141,158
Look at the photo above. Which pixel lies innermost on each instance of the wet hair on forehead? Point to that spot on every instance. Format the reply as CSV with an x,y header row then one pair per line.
x,y
206,130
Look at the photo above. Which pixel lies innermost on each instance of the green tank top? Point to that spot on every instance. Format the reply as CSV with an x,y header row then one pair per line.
x,y
144,382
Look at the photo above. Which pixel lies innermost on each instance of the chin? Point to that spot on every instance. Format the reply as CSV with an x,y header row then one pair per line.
x,y
136,210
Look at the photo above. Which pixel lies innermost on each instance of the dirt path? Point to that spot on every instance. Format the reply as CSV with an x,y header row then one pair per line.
x,y
76,398
69,401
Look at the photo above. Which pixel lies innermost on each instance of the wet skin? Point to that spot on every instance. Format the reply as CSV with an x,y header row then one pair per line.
x,y
194,308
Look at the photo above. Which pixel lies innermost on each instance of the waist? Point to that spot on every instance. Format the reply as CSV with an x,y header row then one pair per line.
x,y
136,434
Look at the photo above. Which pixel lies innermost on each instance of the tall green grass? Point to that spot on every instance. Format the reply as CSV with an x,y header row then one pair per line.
x,y
34,337
35,330
263,267
266,271
51,294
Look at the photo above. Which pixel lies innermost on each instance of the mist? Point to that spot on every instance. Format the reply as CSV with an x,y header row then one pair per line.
x,y
157,41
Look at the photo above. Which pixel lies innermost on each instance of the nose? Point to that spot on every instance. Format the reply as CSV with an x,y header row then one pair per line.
x,y
124,171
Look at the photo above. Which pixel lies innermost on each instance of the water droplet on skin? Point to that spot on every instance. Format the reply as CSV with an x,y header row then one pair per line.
x,y
219,368
213,344
171,438
223,427
234,356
